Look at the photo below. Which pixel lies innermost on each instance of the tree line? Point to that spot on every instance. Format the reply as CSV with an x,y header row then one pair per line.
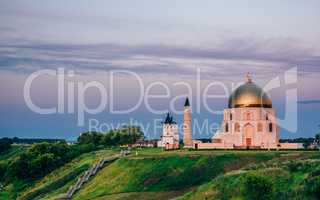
x,y
41,158
122,136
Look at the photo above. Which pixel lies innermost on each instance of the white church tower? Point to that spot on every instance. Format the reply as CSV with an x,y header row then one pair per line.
x,y
170,135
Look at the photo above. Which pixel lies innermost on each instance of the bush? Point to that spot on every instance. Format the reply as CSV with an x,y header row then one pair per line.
x,y
257,187
42,158
19,168
56,184
5,144
39,160
122,136
3,169
312,186
304,166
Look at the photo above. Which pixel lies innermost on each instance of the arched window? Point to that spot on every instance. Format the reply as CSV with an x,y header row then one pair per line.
x,y
230,116
270,127
227,127
260,127
237,127
248,116
267,117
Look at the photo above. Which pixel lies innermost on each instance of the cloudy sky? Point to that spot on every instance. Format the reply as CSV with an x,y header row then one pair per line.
x,y
160,41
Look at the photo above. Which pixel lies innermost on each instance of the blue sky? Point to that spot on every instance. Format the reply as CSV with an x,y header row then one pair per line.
x,y
161,41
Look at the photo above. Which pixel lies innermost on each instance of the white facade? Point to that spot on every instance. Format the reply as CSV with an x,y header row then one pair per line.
x,y
170,135
248,127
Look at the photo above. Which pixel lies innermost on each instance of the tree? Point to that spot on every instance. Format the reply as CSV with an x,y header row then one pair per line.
x,y
43,164
109,139
40,159
3,169
122,136
20,168
258,187
90,138
5,144
313,186
317,139
129,134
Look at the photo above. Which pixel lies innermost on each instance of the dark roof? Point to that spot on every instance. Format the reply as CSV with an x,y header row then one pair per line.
x,y
169,119
187,104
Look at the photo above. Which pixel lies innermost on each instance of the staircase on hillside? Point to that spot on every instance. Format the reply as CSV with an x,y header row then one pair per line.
x,y
89,173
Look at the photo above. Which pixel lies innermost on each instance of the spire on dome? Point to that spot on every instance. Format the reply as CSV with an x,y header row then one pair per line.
x,y
187,104
248,78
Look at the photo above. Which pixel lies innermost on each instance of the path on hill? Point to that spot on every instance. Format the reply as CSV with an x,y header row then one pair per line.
x,y
90,173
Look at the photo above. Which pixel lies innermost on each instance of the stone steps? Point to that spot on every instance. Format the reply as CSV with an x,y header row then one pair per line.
x,y
89,173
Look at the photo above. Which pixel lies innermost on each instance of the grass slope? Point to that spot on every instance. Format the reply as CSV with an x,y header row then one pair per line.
x,y
184,175
296,178
60,180
164,172
55,183
12,153
10,191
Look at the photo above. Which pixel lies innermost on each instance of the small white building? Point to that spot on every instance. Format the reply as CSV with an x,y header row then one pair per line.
x,y
170,135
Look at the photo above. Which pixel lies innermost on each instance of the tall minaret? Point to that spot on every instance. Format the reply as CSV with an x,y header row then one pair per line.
x,y
187,138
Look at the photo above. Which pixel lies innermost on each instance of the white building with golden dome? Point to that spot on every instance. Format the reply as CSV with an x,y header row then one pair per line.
x,y
248,122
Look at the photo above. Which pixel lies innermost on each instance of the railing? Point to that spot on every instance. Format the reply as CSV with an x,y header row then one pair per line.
x,y
89,173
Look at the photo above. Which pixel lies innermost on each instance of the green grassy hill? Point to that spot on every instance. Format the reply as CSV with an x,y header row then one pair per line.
x,y
158,174
9,192
172,174
297,178
55,183
13,153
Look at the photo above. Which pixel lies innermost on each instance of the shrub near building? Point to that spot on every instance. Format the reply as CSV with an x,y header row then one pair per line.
x,y
123,136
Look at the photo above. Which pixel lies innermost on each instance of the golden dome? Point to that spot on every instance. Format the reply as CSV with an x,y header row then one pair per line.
x,y
249,95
